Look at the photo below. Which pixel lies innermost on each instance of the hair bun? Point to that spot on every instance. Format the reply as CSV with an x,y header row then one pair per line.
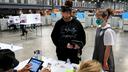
x,y
66,9
68,3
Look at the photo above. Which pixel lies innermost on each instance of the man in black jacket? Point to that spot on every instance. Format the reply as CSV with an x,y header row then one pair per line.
x,y
69,37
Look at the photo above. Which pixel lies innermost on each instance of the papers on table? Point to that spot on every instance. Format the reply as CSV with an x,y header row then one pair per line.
x,y
56,65
10,46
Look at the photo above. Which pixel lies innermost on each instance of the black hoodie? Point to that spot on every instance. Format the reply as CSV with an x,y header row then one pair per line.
x,y
67,32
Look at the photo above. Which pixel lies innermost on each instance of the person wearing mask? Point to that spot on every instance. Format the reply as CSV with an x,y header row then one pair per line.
x,y
104,41
90,66
68,36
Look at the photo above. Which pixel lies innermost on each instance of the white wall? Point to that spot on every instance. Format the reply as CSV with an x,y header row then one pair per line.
x,y
1,0
32,2
15,1
48,2
3,24
22,1
6,1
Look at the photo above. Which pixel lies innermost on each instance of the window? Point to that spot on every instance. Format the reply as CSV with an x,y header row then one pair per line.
x,y
38,1
3,1
18,1
11,1
26,1
41,1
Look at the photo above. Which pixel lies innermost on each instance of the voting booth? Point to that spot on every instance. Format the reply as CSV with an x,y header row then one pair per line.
x,y
14,20
30,20
48,19
3,24
81,16
125,21
58,15
26,19
43,20
125,24
55,17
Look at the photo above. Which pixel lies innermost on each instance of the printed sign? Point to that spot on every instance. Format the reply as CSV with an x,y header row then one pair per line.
x,y
125,15
14,19
80,15
30,19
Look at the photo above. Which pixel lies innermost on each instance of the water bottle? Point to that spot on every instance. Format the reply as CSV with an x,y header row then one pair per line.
x,y
68,61
69,66
38,55
35,55
11,46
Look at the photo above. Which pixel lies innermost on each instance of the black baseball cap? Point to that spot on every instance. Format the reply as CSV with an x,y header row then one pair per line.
x,y
66,9
7,59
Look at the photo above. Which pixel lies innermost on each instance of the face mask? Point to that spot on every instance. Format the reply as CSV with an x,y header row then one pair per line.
x,y
99,21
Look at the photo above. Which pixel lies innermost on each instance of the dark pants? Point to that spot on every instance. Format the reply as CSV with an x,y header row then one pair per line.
x,y
72,54
13,26
23,29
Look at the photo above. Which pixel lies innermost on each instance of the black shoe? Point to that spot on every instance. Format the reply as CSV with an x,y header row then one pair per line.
x,y
22,35
26,32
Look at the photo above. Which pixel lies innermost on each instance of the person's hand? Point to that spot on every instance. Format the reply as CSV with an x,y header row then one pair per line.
x,y
105,66
25,69
76,46
45,70
70,46
73,46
